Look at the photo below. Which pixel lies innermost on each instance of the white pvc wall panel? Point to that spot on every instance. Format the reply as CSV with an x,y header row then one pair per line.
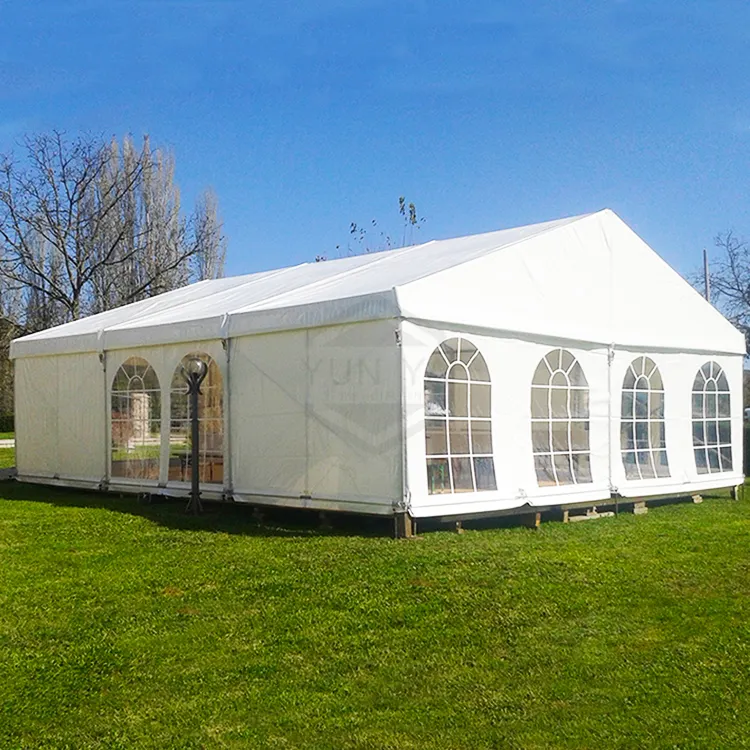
x,y
60,417
316,416
678,372
268,419
354,420
511,363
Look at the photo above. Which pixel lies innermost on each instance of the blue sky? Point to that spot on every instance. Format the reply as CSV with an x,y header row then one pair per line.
x,y
304,116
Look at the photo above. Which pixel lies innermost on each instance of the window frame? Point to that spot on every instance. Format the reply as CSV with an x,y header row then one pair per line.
x,y
123,395
465,376
721,449
545,427
649,460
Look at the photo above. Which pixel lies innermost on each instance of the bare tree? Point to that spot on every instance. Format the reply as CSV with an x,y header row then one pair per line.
x,y
87,225
730,279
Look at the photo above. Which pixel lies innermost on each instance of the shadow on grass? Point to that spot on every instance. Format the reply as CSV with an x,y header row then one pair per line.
x,y
269,521
225,518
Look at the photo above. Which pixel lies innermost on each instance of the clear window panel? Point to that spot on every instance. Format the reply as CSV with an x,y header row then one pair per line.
x,y
554,359
478,369
629,381
450,349
459,436
579,403
657,405
438,476
540,437
458,399
458,372
539,403
725,455
541,374
559,399
468,350
481,437
710,386
722,382
706,371
712,435
713,459
480,400
645,465
630,464
699,434
627,436
641,435
697,406
544,473
655,379
560,441
701,461
577,378
662,464
437,366
658,437
563,468
641,405
627,405
579,436
484,471
724,410
725,432
582,467
566,360
711,410
462,478
559,380
434,398
436,437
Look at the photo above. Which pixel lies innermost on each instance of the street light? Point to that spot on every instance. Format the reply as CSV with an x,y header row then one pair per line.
x,y
194,372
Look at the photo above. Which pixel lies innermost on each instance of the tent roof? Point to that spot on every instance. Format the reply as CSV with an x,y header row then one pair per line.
x,y
374,286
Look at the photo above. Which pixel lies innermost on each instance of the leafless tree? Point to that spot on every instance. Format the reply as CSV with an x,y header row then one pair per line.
x,y
730,279
87,225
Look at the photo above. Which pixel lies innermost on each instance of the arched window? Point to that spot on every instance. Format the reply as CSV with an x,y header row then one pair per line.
x,y
136,421
642,431
458,420
211,425
560,421
712,426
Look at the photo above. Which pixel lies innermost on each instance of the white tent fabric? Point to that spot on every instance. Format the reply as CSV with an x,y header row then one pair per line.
x,y
324,364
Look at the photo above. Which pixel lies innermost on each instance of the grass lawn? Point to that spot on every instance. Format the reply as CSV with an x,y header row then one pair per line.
x,y
7,435
7,458
126,625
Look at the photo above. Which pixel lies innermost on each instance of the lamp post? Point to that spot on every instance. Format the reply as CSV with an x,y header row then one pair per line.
x,y
194,372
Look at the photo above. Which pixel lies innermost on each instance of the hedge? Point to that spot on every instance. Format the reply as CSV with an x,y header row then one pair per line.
x,y
7,423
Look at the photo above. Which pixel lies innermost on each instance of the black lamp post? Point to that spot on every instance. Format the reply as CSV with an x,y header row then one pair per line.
x,y
194,372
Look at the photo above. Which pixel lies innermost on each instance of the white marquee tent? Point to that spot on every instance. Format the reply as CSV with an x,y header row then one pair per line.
x,y
551,364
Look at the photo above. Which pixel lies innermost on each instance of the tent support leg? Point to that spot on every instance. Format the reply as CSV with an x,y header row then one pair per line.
x,y
404,526
639,508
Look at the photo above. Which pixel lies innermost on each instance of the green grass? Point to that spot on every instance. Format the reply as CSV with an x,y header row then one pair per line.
x,y
7,457
126,625
7,435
